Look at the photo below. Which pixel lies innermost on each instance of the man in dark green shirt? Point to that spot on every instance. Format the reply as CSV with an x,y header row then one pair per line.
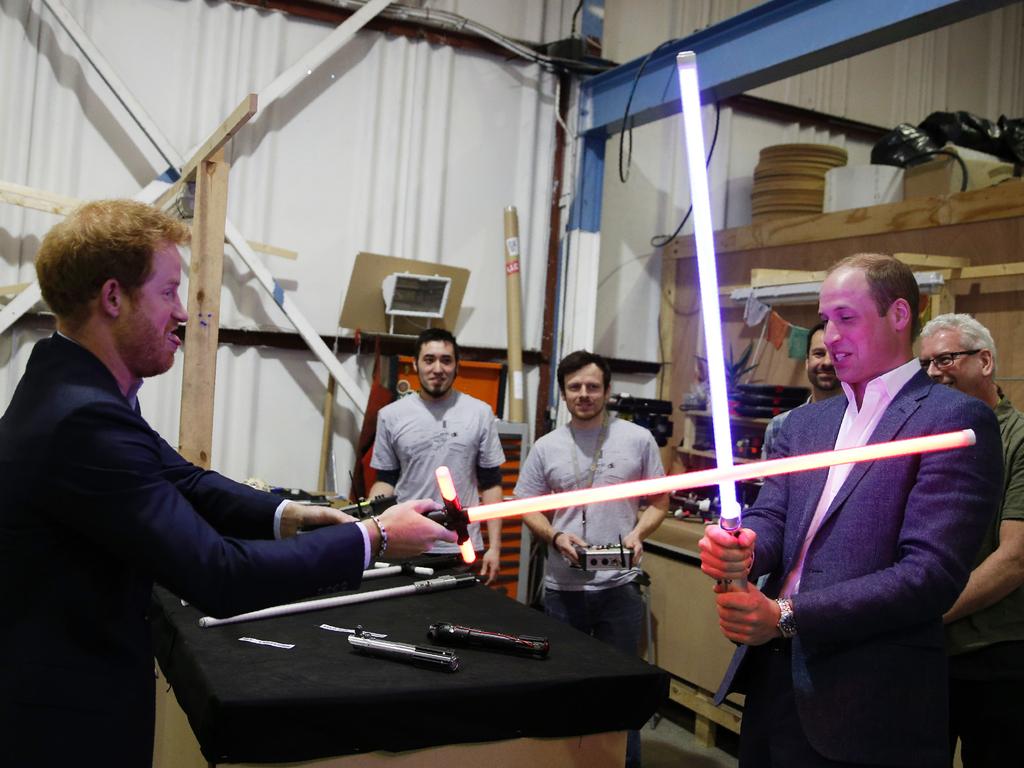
x,y
985,627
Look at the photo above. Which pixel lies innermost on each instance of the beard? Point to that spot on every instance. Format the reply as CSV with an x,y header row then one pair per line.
x,y
144,348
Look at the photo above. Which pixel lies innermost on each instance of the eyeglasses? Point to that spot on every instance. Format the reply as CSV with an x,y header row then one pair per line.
x,y
945,360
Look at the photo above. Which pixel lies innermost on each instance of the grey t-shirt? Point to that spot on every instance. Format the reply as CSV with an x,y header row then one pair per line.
x,y
627,453
417,436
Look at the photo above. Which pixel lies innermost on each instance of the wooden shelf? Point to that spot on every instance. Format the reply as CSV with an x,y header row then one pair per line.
x,y
1005,201
747,420
711,455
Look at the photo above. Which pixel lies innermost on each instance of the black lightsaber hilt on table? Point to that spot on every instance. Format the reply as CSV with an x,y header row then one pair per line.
x,y
454,634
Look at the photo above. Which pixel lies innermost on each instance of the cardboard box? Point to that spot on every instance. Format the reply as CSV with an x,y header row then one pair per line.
x,y
859,186
943,175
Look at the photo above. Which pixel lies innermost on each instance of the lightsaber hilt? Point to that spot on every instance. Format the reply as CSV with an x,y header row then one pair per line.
x,y
732,524
453,634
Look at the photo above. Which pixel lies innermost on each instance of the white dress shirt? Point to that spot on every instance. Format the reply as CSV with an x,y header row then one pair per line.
x,y
855,431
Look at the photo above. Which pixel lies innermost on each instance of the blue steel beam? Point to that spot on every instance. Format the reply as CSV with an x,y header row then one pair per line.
x,y
775,40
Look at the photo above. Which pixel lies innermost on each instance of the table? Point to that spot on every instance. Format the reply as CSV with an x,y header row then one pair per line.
x,y
259,704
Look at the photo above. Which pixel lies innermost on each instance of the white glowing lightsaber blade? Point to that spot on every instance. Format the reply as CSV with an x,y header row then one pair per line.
x,y
658,485
703,233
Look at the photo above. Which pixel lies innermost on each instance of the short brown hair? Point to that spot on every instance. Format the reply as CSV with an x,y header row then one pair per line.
x,y
888,279
99,241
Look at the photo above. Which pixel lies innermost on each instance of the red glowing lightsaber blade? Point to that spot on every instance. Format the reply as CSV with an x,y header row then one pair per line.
x,y
451,500
659,485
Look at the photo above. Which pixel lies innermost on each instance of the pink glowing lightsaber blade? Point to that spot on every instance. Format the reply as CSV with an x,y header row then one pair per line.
x,y
659,485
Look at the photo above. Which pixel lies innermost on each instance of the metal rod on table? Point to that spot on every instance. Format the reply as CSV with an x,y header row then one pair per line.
x,y
431,585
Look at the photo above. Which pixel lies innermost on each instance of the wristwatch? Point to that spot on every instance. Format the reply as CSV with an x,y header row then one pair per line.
x,y
787,622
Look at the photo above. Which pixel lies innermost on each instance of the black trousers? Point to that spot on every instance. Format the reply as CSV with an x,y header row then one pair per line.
x,y
985,715
771,735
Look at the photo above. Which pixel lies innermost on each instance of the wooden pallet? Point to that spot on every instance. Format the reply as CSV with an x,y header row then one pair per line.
x,y
707,717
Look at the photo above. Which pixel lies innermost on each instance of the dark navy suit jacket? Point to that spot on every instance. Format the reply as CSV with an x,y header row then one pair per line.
x,y
94,507
891,556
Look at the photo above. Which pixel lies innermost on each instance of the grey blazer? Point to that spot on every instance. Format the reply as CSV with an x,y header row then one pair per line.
x,y
891,556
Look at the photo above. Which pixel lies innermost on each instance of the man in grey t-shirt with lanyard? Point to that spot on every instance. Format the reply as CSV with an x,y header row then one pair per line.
x,y
441,426
594,449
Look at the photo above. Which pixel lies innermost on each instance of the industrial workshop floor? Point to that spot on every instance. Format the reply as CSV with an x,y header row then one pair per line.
x,y
670,743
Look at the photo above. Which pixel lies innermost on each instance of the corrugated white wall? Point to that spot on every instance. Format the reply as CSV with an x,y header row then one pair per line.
x,y
393,146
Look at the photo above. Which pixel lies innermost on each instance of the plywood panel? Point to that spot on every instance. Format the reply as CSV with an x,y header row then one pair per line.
x,y
688,640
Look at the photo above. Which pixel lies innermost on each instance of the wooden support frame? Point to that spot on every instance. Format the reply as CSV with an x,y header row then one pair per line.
x,y
37,199
19,305
220,136
206,272
277,88
707,716
13,290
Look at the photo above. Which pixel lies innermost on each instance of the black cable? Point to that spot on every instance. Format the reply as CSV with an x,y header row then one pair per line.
x,y
659,240
954,155
575,14
627,124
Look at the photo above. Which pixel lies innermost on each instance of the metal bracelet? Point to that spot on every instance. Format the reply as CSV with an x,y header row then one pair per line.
x,y
383,546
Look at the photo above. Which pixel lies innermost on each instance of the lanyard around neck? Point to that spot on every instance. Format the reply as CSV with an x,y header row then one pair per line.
x,y
592,471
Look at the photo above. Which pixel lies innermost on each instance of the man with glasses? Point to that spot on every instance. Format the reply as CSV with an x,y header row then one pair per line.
x,y
985,627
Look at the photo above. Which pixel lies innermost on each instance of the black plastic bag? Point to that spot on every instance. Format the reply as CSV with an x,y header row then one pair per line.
x,y
965,130
903,146
1013,138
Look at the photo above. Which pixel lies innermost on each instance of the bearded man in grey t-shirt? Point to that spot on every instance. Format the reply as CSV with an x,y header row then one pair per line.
x,y
441,426
593,449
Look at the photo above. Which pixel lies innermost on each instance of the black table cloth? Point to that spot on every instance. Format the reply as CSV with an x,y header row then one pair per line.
x,y
257,703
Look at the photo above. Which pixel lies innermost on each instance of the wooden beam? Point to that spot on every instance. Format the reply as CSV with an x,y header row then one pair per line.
x,y
13,290
931,261
989,278
326,48
298,320
947,265
213,144
706,714
942,302
761,278
992,270
206,271
1001,202
327,436
19,305
666,327
37,199
273,250
132,107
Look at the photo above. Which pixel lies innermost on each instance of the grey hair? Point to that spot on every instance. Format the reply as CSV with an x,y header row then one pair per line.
x,y
972,333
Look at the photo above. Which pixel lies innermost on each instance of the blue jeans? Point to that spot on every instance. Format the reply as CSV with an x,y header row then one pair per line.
x,y
611,615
